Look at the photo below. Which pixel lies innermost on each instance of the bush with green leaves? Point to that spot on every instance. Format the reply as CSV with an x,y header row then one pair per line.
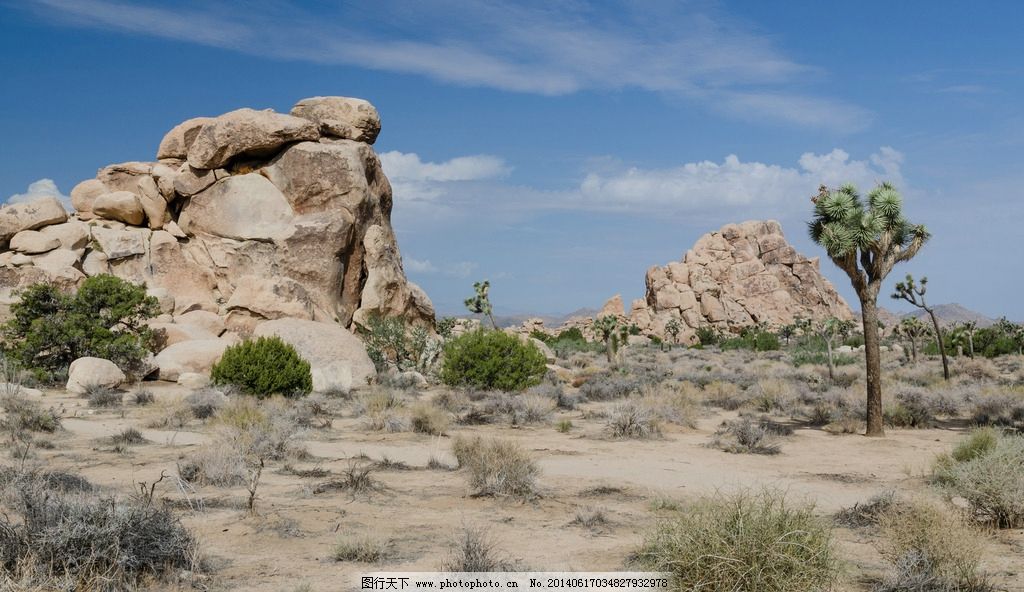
x,y
754,340
392,343
492,360
105,318
744,541
264,367
987,471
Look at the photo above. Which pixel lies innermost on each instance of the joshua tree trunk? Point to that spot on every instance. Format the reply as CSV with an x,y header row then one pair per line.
x,y
913,348
938,340
831,363
970,343
873,362
609,349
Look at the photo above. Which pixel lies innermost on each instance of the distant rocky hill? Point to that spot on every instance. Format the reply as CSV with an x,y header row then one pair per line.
x,y
741,275
947,314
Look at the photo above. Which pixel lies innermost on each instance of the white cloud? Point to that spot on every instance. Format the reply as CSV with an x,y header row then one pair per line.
x,y
414,180
38,189
459,269
684,49
733,184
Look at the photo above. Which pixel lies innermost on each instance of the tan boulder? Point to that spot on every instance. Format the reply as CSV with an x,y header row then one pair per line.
x,y
33,242
614,307
84,194
271,298
205,320
197,356
246,132
59,262
241,207
172,333
341,117
73,234
118,244
332,351
87,373
95,263
189,181
153,204
176,142
123,206
31,215
124,176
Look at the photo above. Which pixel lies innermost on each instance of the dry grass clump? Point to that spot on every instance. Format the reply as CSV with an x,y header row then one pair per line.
x,y
910,408
745,436
383,409
101,396
74,541
632,420
519,409
609,386
987,470
204,403
496,467
977,369
675,403
591,518
744,541
869,513
247,432
128,437
361,550
170,414
474,551
143,397
931,548
727,395
357,479
425,418
1001,408
24,414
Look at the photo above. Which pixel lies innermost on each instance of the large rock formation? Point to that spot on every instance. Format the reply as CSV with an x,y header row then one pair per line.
x,y
739,276
250,216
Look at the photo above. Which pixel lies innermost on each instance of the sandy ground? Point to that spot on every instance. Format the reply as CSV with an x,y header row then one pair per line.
x,y
419,511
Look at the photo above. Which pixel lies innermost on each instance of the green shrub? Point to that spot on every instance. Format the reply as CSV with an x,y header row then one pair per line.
x,y
264,367
756,340
492,360
104,318
391,343
744,542
707,336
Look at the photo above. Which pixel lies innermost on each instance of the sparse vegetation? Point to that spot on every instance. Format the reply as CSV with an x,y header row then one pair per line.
x,y
361,549
496,467
745,436
474,551
744,541
989,475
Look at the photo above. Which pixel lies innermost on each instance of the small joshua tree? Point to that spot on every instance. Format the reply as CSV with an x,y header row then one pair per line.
x,y
830,330
480,303
912,329
866,240
914,293
606,326
969,328
672,327
787,332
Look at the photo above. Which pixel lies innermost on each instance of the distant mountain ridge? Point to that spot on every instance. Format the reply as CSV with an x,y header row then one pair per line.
x,y
947,314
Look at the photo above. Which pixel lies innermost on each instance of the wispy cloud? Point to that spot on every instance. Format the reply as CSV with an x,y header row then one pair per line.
x,y
38,189
459,269
685,49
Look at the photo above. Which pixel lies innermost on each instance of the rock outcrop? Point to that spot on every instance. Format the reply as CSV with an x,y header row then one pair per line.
x,y
741,275
246,217
252,215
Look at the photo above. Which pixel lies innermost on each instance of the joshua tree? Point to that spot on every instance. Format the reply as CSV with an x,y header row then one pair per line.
x,y
606,327
866,240
481,302
914,294
672,327
787,332
831,329
913,329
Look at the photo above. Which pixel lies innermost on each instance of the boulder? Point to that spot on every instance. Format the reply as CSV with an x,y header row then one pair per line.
x,y
87,373
341,117
196,356
73,234
153,204
172,333
84,194
33,242
193,380
246,132
30,215
208,321
190,181
331,350
549,355
177,141
242,207
117,244
614,307
271,298
123,206
59,262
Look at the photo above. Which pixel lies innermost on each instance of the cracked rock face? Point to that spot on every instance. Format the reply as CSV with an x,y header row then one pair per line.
x,y
249,216
739,276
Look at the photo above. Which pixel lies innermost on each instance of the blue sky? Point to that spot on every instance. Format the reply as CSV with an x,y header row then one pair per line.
x,y
562,148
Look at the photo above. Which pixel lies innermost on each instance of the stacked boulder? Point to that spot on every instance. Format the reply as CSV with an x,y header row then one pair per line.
x,y
251,216
741,275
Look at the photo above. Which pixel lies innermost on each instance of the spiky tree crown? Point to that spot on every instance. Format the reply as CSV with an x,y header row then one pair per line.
x,y
912,327
865,238
835,327
606,325
481,302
